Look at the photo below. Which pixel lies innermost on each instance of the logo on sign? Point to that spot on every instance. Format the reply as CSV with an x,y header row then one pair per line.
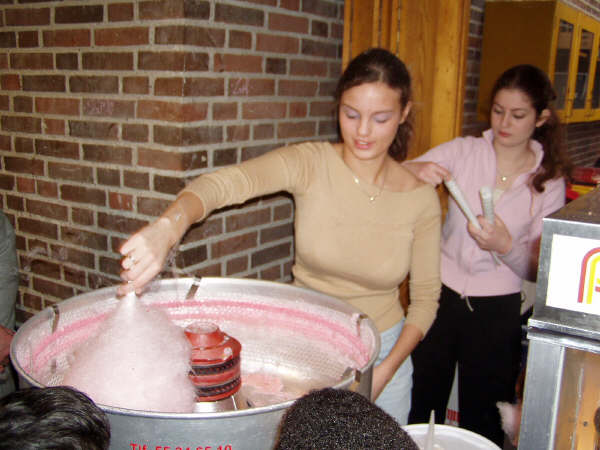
x,y
589,280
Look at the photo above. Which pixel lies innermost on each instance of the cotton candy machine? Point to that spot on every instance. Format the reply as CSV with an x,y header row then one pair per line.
x,y
290,336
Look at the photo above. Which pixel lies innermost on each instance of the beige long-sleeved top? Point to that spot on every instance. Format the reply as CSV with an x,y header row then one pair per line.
x,y
345,245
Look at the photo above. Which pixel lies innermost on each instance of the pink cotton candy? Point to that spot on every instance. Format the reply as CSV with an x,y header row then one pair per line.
x,y
138,360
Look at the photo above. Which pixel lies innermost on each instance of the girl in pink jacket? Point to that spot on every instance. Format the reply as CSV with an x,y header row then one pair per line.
x,y
522,159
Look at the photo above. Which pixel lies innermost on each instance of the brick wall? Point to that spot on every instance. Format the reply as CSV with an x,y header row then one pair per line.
x,y
583,139
108,107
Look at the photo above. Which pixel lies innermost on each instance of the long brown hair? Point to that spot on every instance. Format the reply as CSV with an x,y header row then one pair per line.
x,y
535,84
378,64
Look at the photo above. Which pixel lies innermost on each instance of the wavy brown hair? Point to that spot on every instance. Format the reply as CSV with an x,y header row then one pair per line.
x,y
535,84
378,64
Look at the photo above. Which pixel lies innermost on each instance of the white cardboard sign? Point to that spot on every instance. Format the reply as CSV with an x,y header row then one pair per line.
x,y
574,274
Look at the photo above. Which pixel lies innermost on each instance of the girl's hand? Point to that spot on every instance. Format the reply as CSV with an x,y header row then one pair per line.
x,y
493,237
428,172
382,374
145,254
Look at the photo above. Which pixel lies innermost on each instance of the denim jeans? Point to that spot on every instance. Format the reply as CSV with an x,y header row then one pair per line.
x,y
395,398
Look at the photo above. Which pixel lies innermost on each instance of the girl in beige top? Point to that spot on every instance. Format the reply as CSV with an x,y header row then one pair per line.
x,y
362,222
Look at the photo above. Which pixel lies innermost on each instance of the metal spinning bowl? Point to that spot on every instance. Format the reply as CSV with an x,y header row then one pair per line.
x,y
306,339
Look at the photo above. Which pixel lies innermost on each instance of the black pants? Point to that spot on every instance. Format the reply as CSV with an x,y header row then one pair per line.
x,y
485,341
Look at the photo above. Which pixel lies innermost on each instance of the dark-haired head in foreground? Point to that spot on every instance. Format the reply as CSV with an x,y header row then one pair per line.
x,y
54,418
340,419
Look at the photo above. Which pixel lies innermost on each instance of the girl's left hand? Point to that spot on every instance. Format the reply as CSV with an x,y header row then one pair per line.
x,y
492,236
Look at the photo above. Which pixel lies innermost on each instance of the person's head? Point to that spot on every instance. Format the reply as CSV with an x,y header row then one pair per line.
x,y
373,99
522,109
339,419
57,417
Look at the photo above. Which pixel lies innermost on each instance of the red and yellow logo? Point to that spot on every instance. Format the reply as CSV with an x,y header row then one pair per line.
x,y
589,280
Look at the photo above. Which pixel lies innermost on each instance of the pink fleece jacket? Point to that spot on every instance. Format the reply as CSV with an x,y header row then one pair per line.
x,y
465,267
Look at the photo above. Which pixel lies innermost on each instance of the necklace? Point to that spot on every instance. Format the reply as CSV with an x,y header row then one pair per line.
x,y
371,197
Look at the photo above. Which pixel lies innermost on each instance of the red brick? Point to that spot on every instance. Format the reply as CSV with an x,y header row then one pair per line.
x,y
276,66
52,289
320,7
113,222
54,127
67,61
27,16
195,87
152,206
21,124
249,87
120,12
237,222
82,194
233,245
49,210
45,268
319,48
67,38
171,112
23,145
224,111
296,129
136,85
240,39
70,172
236,133
23,104
271,273
263,110
46,188
298,109
236,265
25,185
190,35
168,86
134,132
31,301
94,84
61,106
172,160
224,157
8,39
108,177
32,61
82,216
121,36
3,61
171,61
107,154
44,83
109,108
83,238
237,63
192,256
276,44
7,182
37,227
4,102
213,226
263,131
318,109
168,185
98,130
238,15
28,39
305,68
107,61
120,201
57,149
270,254
282,212
297,88
74,276
79,14
174,9
136,180
10,82
288,23
319,28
